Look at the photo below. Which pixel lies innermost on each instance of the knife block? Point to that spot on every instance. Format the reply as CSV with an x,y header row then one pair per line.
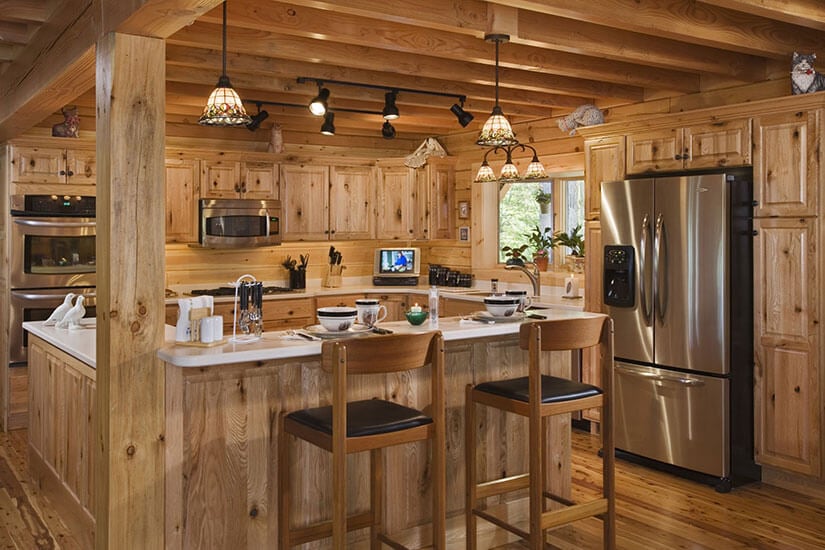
x,y
333,276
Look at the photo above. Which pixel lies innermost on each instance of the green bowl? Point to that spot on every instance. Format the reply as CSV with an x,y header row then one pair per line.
x,y
416,317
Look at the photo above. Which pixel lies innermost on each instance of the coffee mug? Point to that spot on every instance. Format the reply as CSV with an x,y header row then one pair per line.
x,y
526,301
369,311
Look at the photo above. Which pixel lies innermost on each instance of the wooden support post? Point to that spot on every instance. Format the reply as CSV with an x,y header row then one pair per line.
x,y
130,308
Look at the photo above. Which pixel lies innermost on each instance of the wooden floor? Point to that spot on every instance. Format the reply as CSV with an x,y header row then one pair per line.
x,y
655,511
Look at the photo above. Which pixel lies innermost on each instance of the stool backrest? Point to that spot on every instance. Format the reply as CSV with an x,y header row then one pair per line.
x,y
382,354
564,334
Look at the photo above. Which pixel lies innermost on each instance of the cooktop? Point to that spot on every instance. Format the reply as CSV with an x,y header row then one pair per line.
x,y
230,291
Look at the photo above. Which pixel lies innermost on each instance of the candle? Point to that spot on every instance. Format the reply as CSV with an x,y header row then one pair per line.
x,y
415,309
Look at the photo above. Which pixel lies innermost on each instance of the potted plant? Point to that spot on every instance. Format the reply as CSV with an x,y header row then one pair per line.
x,y
541,241
544,198
514,254
574,240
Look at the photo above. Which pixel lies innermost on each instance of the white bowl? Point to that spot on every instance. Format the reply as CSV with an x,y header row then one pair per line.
x,y
336,318
502,306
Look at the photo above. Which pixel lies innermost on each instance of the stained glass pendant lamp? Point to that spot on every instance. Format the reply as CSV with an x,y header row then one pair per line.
x,y
497,130
224,107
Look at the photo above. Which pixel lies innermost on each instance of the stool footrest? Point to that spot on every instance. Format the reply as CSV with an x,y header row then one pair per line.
x,y
503,485
309,533
573,513
495,520
391,543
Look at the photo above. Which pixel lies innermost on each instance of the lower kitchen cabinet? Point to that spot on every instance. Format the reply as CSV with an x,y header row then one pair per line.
x,y
786,333
337,300
396,304
62,434
278,314
450,307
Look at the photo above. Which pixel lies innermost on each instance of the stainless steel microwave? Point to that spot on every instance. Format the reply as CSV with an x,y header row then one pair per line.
x,y
239,223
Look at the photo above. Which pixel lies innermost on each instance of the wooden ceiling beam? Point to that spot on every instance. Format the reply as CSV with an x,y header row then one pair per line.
x,y
204,35
36,11
15,33
690,22
285,18
806,13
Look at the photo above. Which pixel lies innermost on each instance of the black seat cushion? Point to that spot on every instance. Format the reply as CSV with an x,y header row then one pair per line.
x,y
368,417
553,389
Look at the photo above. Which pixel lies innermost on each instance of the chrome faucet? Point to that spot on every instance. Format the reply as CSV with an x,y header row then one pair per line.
x,y
534,275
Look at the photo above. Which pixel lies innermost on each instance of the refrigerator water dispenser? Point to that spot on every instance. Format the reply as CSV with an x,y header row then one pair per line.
x,y
619,276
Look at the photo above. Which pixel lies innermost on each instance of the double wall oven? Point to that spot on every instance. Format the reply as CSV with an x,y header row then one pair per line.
x,y
52,252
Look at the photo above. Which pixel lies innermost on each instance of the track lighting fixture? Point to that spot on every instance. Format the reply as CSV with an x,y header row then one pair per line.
x,y
224,107
318,105
509,172
387,130
464,118
390,111
497,130
328,128
256,120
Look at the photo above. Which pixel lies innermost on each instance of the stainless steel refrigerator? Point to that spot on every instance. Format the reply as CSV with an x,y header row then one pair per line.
x,y
678,281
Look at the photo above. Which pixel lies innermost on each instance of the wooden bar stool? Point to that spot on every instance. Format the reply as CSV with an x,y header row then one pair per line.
x,y
538,397
369,425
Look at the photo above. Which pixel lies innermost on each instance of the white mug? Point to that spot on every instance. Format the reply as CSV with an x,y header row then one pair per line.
x,y
369,311
207,333
526,301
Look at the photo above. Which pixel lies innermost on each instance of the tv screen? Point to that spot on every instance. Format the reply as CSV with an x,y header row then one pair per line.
x,y
397,261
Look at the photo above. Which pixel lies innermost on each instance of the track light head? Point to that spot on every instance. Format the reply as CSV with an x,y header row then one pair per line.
x,y
387,130
464,118
328,128
390,111
255,123
318,106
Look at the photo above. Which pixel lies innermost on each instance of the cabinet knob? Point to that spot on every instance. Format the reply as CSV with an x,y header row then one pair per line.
x,y
796,389
70,173
754,203
62,173
754,232
237,188
678,157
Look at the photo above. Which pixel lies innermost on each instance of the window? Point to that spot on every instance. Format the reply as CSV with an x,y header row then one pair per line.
x,y
520,213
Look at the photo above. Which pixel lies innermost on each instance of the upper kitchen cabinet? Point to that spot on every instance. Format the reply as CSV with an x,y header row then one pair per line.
x,y
604,161
305,202
351,192
53,165
182,184
786,163
440,174
398,203
226,178
709,145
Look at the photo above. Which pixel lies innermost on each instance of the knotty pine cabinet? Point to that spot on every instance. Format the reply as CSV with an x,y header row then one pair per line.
x,y
708,145
351,201
396,303
440,174
226,178
53,165
604,161
278,314
182,191
401,209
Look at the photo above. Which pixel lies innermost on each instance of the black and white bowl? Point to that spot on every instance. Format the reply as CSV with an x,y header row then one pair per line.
x,y
336,318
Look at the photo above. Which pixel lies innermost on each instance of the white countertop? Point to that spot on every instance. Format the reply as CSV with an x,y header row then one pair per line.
x,y
81,343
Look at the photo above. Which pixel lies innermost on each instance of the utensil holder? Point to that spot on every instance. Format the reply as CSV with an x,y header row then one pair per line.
x,y
297,279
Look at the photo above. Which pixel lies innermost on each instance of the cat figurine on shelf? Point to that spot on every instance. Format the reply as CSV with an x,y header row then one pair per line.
x,y
804,79
584,115
70,125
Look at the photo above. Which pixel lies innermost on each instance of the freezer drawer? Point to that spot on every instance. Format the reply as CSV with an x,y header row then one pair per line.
x,y
672,417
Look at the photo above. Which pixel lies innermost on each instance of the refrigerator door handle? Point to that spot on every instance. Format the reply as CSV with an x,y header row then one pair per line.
x,y
654,377
647,306
660,268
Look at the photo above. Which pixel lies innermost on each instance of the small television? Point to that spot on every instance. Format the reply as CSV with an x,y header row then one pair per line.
x,y
397,262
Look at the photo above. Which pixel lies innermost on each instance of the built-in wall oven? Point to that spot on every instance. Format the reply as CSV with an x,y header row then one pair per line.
x,y
51,253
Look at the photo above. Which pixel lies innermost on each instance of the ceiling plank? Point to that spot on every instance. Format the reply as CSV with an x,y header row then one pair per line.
x,y
36,11
158,18
15,33
363,57
806,13
690,22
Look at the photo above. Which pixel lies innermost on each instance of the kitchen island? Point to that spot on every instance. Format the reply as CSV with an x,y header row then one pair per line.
x,y
222,405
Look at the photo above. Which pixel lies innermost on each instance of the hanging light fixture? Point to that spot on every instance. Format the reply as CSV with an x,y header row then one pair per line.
x,y
318,105
328,128
390,111
464,118
224,107
509,172
497,130
388,130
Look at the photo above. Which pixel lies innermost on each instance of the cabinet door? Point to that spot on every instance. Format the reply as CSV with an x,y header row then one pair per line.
x,y
181,200
451,307
259,180
786,321
289,313
717,144
220,179
396,203
351,202
786,164
396,304
442,199
81,167
305,202
38,165
603,161
591,365
337,300
654,151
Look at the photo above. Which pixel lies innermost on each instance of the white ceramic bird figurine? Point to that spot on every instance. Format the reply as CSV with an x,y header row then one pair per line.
x,y
72,318
60,310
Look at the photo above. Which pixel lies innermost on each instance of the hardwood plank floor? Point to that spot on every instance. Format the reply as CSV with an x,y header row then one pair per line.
x,y
655,511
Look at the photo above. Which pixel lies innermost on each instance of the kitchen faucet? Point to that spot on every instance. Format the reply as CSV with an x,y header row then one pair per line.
x,y
534,275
